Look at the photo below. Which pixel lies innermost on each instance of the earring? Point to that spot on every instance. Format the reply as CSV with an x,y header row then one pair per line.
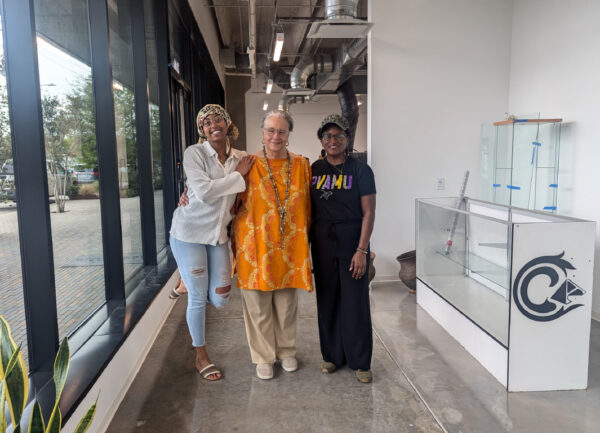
x,y
287,143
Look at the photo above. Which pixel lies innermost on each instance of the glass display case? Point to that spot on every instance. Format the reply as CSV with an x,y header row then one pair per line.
x,y
520,163
502,280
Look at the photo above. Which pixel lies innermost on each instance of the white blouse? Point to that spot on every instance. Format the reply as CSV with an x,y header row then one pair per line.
x,y
212,187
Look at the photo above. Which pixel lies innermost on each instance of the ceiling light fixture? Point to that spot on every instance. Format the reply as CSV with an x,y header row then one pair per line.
x,y
265,105
278,47
269,86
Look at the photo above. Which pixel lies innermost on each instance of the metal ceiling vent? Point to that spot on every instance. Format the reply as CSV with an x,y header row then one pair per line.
x,y
340,22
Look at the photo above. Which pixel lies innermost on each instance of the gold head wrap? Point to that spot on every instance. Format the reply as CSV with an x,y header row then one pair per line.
x,y
232,131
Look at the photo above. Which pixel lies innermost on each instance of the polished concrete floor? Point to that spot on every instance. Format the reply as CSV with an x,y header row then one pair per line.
x,y
424,382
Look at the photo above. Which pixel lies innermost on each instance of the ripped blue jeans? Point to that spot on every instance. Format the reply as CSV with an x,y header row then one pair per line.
x,y
204,269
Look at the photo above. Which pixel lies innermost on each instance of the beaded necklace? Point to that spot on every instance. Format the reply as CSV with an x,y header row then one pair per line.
x,y
281,208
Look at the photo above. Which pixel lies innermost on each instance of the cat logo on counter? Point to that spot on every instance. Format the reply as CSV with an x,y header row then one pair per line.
x,y
533,278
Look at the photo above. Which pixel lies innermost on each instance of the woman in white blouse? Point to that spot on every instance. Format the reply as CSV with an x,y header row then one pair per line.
x,y
199,242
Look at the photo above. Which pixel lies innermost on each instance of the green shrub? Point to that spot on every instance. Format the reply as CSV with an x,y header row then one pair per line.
x,y
74,190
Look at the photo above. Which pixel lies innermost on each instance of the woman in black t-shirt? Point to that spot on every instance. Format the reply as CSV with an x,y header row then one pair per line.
x,y
343,213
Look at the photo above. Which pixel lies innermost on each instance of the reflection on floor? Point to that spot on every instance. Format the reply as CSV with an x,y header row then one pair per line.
x,y
463,396
424,382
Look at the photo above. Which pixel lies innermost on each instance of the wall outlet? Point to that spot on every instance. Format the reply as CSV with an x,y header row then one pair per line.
x,y
440,183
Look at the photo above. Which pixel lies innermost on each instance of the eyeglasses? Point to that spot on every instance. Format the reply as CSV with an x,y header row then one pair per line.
x,y
338,137
271,131
207,123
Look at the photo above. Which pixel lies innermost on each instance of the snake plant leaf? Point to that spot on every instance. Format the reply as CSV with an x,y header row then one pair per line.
x,y
16,386
16,382
55,421
2,405
36,423
61,367
85,422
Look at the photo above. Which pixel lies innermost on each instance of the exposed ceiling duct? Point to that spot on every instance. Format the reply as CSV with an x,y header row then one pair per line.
x,y
327,72
330,73
348,58
285,102
340,21
303,70
340,9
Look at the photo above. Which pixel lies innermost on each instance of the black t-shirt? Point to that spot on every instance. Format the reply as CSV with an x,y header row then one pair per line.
x,y
335,194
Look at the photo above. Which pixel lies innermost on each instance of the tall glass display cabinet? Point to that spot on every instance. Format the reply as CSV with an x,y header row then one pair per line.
x,y
520,162
513,286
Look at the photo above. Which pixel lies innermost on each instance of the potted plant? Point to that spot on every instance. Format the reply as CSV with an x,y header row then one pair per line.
x,y
14,388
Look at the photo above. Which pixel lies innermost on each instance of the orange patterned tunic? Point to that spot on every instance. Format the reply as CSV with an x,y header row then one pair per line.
x,y
263,258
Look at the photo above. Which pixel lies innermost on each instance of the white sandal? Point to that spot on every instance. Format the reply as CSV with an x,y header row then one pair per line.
x,y
214,370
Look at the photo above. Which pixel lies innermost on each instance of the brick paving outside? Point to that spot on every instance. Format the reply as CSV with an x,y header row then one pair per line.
x,y
78,260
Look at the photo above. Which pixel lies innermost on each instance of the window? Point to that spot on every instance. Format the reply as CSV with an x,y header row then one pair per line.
x,y
154,125
121,52
71,159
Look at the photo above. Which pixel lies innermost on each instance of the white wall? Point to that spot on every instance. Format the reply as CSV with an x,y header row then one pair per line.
x,y
208,28
307,119
555,70
437,71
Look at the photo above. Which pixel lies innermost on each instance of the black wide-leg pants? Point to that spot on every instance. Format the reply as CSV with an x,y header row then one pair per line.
x,y
344,313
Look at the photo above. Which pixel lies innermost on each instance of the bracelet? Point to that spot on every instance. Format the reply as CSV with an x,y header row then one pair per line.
x,y
360,250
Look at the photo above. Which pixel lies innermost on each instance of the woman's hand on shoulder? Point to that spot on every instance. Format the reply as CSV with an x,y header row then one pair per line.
x,y
245,164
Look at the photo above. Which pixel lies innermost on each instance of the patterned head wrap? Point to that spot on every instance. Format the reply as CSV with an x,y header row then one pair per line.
x,y
232,130
333,119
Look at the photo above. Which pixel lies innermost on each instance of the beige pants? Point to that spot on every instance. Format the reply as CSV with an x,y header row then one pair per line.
x,y
270,319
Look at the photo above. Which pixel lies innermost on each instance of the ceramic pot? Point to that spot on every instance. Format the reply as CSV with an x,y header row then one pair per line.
x,y
408,269
371,266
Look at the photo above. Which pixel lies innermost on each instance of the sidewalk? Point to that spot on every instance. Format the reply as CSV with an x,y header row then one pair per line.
x,y
78,262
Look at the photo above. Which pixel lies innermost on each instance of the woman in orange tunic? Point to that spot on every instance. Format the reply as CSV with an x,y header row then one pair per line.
x,y
270,246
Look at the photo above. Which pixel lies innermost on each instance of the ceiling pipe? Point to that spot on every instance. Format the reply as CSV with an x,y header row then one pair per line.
x,y
356,49
352,58
285,102
347,60
340,9
252,35
307,66
333,71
